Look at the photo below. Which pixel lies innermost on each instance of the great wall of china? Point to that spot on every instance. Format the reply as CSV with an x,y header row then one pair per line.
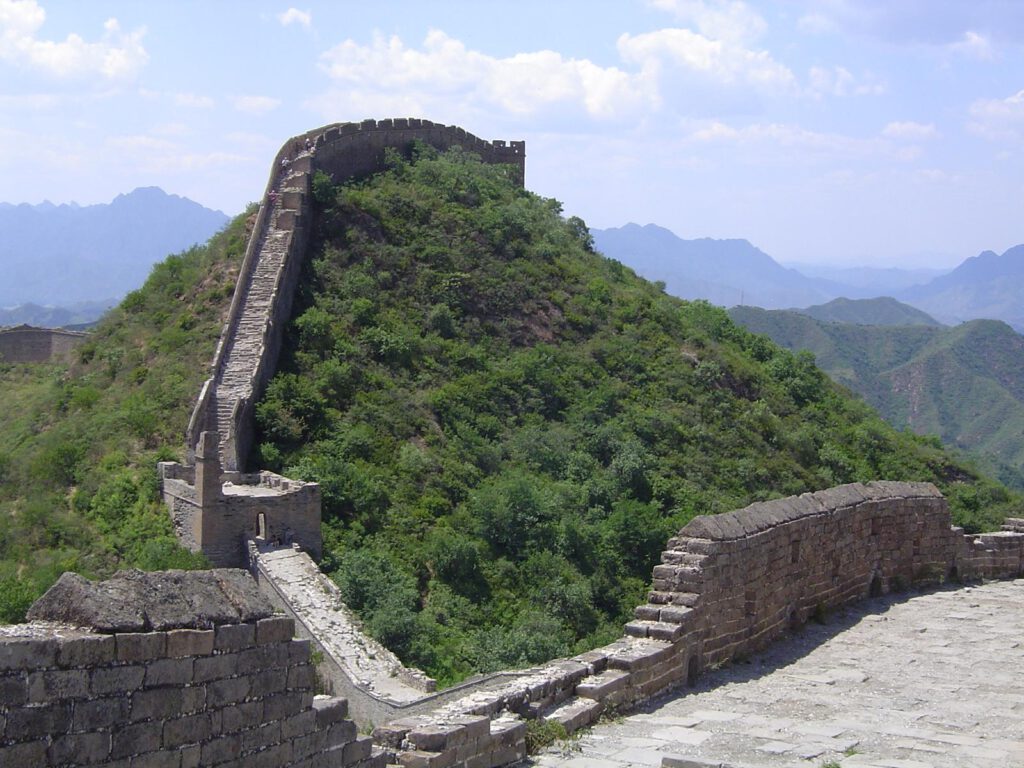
x,y
219,681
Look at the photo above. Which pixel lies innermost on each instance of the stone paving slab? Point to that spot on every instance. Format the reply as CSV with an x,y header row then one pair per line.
x,y
932,680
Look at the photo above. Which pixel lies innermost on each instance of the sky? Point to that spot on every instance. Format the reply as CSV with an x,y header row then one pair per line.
x,y
841,132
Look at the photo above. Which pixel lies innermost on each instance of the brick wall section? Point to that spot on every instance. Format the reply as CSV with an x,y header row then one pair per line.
x,y
233,695
26,344
728,585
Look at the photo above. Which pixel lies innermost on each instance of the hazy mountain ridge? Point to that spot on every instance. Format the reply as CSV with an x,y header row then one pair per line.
x,y
735,272
884,310
62,254
962,383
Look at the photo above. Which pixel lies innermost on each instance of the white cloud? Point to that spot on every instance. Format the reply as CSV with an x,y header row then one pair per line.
x,y
839,81
295,16
193,100
910,131
157,155
717,19
998,119
445,72
974,46
794,137
255,105
721,60
118,56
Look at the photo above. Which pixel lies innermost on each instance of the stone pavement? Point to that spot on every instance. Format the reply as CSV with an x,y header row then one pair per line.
x,y
906,681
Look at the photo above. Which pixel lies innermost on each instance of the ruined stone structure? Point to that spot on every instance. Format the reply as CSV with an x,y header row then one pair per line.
x,y
28,344
247,353
167,669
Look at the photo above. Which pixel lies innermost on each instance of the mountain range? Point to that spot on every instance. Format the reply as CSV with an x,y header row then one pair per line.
x,y
962,383
734,272
58,255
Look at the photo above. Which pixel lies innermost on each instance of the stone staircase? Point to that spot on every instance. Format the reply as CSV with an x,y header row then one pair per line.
x,y
244,345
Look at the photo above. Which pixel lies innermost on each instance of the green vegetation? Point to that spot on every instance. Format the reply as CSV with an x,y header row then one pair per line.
x,y
963,383
881,311
79,444
507,427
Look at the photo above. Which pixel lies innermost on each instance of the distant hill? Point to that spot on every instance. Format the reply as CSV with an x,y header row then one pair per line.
x,y
62,254
77,315
724,272
868,282
985,286
965,384
881,311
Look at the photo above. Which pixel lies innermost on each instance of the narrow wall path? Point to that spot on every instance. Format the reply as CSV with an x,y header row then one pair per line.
x,y
930,680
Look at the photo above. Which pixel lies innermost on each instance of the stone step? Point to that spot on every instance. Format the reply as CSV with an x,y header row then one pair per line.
x,y
575,713
671,614
689,599
603,685
657,630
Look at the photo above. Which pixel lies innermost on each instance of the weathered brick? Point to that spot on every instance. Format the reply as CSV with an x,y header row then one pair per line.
x,y
341,733
333,709
191,756
168,672
86,651
241,716
158,703
269,682
234,637
193,699
27,653
302,677
189,642
299,651
110,680
223,692
273,757
80,749
30,723
276,629
265,657
215,667
358,749
136,739
28,754
140,646
164,759
13,690
281,705
96,714
260,738
221,749
186,730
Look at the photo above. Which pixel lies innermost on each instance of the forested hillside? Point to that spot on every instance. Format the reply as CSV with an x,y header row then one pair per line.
x,y
79,444
507,426
964,384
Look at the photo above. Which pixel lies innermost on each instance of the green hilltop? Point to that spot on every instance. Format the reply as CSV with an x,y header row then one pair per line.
x,y
962,383
507,426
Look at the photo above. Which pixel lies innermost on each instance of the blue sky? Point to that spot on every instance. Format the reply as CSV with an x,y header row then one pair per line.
x,y
827,131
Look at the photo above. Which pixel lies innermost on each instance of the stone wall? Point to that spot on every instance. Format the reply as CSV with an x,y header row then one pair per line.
x,y
26,344
728,585
220,691
219,518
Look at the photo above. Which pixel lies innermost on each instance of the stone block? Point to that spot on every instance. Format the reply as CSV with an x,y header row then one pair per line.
x,y
27,653
136,739
13,690
30,723
116,680
261,737
191,729
163,759
340,733
281,705
361,748
63,684
298,724
275,756
302,677
299,651
268,683
241,716
97,714
79,749
141,646
221,749
234,637
216,667
86,651
330,710
169,672
189,642
276,629
159,703
221,693
27,754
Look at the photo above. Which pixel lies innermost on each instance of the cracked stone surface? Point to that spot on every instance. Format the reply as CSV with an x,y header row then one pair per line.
x,y
931,680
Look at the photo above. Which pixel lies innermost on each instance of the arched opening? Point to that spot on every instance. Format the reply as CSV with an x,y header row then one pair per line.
x,y
875,590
